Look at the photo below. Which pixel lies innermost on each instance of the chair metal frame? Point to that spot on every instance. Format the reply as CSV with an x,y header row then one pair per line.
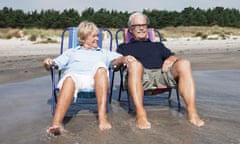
x,y
72,43
157,91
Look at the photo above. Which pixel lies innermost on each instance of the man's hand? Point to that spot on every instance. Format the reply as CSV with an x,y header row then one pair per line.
x,y
168,63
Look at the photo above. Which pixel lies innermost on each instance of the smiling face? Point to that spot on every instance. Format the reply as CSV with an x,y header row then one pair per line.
x,y
91,41
139,28
88,34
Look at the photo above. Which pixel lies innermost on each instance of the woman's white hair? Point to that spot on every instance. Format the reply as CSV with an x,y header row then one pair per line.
x,y
136,14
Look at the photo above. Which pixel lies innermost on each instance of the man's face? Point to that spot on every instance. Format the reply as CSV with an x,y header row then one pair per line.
x,y
139,28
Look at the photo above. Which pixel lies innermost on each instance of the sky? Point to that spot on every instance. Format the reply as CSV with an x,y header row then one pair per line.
x,y
118,5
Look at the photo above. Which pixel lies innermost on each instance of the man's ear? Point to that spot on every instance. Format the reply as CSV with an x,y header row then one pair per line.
x,y
130,30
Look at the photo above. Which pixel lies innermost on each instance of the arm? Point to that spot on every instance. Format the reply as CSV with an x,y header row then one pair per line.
x,y
169,62
122,60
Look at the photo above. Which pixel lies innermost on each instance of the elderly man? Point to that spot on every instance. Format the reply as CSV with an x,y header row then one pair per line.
x,y
161,65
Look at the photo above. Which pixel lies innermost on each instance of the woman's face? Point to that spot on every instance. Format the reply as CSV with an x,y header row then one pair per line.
x,y
91,40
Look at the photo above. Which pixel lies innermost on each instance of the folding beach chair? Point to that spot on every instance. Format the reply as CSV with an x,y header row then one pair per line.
x,y
150,92
56,74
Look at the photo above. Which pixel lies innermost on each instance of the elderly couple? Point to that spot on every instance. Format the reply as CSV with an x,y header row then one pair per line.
x,y
86,67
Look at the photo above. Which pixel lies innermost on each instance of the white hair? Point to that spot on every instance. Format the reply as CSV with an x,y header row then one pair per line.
x,y
136,14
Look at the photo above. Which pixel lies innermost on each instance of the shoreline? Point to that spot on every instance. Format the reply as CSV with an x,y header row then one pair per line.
x,y
22,60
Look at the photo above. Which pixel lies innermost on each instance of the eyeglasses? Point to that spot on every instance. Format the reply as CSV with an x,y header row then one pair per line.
x,y
139,25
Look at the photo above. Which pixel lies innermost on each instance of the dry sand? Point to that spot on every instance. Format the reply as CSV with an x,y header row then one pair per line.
x,y
22,59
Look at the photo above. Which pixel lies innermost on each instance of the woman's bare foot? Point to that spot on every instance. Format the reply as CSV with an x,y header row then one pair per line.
x,y
142,122
104,124
195,120
55,130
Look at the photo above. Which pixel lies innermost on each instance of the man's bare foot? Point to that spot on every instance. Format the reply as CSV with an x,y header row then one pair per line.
x,y
195,120
142,122
104,124
55,130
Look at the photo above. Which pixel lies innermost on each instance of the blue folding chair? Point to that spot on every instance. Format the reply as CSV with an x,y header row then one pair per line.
x,y
153,91
56,76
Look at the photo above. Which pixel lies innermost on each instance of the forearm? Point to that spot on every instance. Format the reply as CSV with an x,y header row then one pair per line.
x,y
122,60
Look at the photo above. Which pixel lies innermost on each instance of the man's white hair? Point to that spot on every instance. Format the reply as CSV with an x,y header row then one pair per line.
x,y
136,14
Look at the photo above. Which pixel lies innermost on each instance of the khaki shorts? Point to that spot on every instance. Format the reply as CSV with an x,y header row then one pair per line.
x,y
155,78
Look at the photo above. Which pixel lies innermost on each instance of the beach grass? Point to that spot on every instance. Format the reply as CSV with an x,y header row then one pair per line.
x,y
172,32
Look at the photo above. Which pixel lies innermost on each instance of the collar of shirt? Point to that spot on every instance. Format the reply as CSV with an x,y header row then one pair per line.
x,y
94,49
132,40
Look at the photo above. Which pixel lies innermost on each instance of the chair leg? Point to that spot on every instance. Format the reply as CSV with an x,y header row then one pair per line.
x,y
130,109
54,100
111,88
121,85
107,104
169,97
178,99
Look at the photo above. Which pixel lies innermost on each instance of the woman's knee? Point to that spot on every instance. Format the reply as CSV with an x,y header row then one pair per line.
x,y
101,71
68,79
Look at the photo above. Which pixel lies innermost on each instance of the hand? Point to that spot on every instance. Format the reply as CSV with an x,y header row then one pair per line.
x,y
167,63
47,63
128,59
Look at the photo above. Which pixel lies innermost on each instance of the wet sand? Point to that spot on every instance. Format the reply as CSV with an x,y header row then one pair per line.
x,y
25,109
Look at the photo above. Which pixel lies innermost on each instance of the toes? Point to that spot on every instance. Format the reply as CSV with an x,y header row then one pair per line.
x,y
103,127
55,130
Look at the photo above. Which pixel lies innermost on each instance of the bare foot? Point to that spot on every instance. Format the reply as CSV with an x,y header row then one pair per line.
x,y
143,123
195,120
104,124
55,130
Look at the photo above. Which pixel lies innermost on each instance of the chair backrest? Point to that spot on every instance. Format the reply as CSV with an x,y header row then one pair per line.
x,y
73,40
153,34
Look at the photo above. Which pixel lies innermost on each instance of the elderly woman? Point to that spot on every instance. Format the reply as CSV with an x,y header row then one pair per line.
x,y
86,67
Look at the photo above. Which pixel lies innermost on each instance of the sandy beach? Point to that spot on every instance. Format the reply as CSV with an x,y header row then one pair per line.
x,y
22,59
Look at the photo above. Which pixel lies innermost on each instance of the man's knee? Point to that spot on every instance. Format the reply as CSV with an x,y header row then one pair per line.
x,y
183,64
135,66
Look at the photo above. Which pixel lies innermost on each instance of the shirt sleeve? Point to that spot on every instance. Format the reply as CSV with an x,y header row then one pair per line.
x,y
63,59
166,51
111,56
121,48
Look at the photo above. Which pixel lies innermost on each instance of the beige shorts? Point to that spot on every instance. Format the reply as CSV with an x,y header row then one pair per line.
x,y
156,78
83,83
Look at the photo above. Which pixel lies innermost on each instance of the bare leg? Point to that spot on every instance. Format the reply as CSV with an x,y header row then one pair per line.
x,y
101,87
135,87
183,72
64,101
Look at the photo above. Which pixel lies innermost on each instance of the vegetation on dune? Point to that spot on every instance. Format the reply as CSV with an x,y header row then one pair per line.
x,y
190,22
51,18
51,35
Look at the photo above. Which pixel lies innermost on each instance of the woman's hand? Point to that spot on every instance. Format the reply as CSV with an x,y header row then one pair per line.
x,y
47,63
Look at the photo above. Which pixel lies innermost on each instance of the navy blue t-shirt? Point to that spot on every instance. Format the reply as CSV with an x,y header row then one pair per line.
x,y
150,54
